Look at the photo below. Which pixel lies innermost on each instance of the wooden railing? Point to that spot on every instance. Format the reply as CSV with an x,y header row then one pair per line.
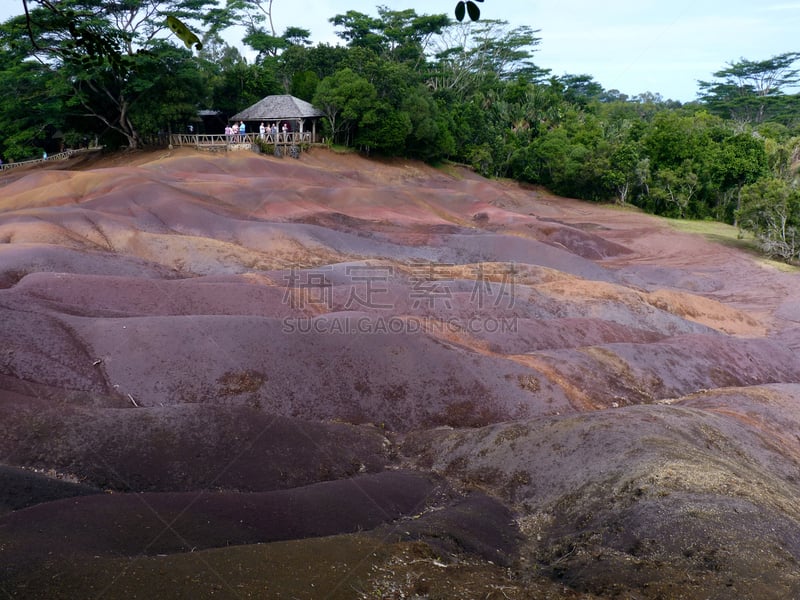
x,y
60,156
292,138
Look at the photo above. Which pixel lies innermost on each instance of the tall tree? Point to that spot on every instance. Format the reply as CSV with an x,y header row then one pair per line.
x,y
581,89
106,52
401,36
770,209
734,160
34,86
466,57
254,15
345,97
506,51
751,91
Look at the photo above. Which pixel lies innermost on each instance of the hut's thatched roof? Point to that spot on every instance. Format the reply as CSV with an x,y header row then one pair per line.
x,y
274,108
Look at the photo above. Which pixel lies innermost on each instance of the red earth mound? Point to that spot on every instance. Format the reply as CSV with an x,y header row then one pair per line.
x,y
518,395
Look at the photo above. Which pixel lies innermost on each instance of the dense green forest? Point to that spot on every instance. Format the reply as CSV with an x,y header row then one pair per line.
x,y
421,86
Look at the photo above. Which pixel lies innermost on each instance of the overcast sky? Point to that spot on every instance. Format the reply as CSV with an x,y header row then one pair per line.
x,y
633,46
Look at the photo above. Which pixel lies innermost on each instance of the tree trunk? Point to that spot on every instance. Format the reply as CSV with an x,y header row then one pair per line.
x,y
126,127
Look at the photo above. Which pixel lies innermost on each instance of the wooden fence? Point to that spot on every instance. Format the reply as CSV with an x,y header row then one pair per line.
x,y
217,140
292,138
60,156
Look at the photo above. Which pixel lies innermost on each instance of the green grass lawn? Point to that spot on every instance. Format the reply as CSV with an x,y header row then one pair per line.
x,y
728,235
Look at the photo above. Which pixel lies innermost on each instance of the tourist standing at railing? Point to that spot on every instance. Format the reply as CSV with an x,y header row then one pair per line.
x,y
261,131
242,131
228,134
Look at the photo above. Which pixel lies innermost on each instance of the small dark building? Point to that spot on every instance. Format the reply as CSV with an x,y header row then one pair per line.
x,y
211,121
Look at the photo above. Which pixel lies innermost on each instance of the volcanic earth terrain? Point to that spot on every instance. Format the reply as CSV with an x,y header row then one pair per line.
x,y
236,376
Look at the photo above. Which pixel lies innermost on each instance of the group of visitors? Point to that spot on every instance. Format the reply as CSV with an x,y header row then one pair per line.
x,y
264,130
236,132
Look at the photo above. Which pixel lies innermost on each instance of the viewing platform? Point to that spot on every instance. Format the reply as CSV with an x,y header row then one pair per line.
x,y
239,141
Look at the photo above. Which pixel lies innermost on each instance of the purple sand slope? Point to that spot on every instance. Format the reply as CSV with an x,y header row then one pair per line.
x,y
429,382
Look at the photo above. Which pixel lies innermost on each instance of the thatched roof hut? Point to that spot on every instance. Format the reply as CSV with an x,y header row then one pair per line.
x,y
281,109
